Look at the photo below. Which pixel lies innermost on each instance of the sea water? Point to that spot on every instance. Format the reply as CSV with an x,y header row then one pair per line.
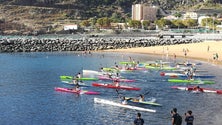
x,y
27,94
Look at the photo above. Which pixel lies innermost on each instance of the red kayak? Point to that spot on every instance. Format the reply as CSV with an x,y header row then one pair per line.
x,y
193,88
75,91
114,87
117,79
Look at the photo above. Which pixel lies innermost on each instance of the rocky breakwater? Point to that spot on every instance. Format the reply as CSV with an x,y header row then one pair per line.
x,y
50,45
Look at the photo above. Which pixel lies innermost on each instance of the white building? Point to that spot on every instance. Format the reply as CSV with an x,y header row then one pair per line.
x,y
170,17
71,27
201,18
190,15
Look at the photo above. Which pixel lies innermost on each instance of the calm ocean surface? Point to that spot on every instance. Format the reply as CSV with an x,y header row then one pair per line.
x,y
27,95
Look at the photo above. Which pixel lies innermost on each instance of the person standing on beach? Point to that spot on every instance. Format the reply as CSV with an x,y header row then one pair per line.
x,y
176,118
189,118
185,54
138,120
174,57
216,56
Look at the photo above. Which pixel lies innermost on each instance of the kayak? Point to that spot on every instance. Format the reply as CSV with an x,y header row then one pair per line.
x,y
113,79
110,70
188,64
176,75
83,78
160,68
71,83
191,88
196,76
77,92
114,87
191,81
127,62
143,102
103,101
182,70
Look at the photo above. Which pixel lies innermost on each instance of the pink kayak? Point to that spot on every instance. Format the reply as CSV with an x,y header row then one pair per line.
x,y
74,91
193,88
114,87
117,79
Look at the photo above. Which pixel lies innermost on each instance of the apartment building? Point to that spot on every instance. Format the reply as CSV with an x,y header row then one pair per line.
x,y
144,12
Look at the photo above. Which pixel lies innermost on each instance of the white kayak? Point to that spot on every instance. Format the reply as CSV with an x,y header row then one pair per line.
x,y
103,101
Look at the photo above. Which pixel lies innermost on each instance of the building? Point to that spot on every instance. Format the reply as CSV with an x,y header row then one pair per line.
x,y
190,15
201,18
118,25
70,27
144,12
171,17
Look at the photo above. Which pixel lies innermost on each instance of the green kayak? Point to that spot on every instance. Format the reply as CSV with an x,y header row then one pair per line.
x,y
143,102
110,70
83,78
192,81
160,68
127,63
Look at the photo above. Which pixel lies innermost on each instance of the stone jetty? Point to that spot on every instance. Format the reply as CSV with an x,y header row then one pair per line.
x,y
89,44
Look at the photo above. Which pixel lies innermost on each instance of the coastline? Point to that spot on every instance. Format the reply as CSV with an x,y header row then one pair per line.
x,y
203,51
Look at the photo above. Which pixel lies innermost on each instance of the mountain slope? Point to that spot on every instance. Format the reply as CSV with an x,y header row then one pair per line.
x,y
51,15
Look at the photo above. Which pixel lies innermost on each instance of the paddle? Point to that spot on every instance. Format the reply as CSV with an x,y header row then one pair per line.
x,y
117,93
120,96
146,93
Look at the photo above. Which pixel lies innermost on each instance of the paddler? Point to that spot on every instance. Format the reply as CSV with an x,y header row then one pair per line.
x,y
116,83
79,75
141,98
77,87
190,74
198,89
75,80
124,100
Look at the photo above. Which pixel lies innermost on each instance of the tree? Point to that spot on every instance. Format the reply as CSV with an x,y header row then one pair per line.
x,y
190,23
162,23
104,22
135,24
85,23
177,14
93,21
100,22
178,24
207,22
146,24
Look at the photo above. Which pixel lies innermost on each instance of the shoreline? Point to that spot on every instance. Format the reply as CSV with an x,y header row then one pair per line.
x,y
204,51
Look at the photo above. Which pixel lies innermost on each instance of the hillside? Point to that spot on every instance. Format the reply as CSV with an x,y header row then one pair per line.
x,y
48,16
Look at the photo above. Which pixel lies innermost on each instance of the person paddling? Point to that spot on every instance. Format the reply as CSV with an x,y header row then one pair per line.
x,y
141,98
75,80
116,83
77,87
123,99
198,89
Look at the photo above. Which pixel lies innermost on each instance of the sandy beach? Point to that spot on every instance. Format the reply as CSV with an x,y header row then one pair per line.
x,y
204,51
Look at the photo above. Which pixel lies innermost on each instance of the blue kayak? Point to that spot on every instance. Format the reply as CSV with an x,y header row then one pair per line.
x,y
197,76
71,83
